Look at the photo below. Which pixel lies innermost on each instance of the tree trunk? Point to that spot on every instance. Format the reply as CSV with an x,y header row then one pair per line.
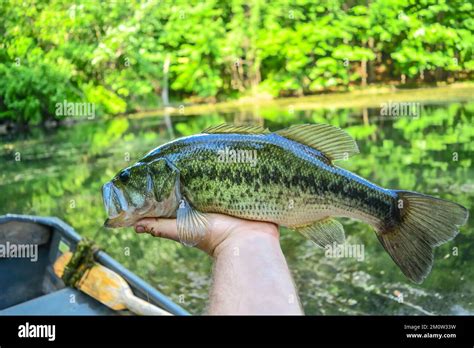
x,y
363,66
165,95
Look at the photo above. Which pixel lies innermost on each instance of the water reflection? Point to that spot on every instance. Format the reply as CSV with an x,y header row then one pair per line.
x,y
60,174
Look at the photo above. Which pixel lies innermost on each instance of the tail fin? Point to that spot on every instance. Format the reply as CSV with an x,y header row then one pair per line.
x,y
425,222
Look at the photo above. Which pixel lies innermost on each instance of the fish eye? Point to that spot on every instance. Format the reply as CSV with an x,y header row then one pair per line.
x,y
124,176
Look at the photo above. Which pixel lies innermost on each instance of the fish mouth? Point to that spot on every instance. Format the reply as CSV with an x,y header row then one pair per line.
x,y
115,205
114,199
119,212
109,223
116,222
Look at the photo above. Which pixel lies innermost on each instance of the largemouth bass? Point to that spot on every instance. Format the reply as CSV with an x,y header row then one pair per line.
x,y
286,177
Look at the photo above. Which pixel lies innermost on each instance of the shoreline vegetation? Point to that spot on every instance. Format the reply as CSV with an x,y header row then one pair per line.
x,y
365,97
115,58
360,98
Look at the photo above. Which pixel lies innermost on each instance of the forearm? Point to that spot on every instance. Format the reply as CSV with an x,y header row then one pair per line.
x,y
250,272
251,277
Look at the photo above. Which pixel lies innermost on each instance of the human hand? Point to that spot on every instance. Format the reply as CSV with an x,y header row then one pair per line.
x,y
223,231
250,272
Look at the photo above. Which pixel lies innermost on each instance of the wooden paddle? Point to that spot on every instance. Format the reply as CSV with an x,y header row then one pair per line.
x,y
109,288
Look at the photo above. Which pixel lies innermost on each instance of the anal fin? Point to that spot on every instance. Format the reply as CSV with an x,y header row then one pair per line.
x,y
324,232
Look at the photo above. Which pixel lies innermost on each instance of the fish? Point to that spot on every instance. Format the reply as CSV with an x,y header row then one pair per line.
x,y
287,177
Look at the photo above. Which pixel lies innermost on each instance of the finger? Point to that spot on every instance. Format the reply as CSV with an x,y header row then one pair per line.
x,y
165,228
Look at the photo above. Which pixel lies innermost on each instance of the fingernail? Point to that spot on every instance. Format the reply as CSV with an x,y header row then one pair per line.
x,y
140,229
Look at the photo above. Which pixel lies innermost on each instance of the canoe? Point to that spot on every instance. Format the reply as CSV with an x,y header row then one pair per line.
x,y
29,246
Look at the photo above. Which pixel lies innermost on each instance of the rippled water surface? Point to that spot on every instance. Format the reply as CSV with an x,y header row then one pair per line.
x,y
60,172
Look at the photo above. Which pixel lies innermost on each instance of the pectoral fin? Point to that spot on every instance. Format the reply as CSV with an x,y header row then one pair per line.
x,y
324,232
192,225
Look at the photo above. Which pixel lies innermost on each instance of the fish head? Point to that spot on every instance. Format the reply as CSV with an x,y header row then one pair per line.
x,y
145,189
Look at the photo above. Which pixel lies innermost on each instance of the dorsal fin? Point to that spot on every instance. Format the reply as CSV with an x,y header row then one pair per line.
x,y
230,128
332,142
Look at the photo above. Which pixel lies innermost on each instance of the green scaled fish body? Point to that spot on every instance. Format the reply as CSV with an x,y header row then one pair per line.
x,y
286,177
270,178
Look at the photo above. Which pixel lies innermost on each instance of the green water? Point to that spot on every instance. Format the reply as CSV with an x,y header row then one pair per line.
x,y
60,173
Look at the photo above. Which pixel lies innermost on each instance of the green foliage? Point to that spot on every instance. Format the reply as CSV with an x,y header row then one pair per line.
x,y
112,54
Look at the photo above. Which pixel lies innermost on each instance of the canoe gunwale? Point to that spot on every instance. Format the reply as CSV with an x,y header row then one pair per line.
x,y
67,234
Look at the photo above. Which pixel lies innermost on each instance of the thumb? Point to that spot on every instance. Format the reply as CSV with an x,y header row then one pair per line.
x,y
165,228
